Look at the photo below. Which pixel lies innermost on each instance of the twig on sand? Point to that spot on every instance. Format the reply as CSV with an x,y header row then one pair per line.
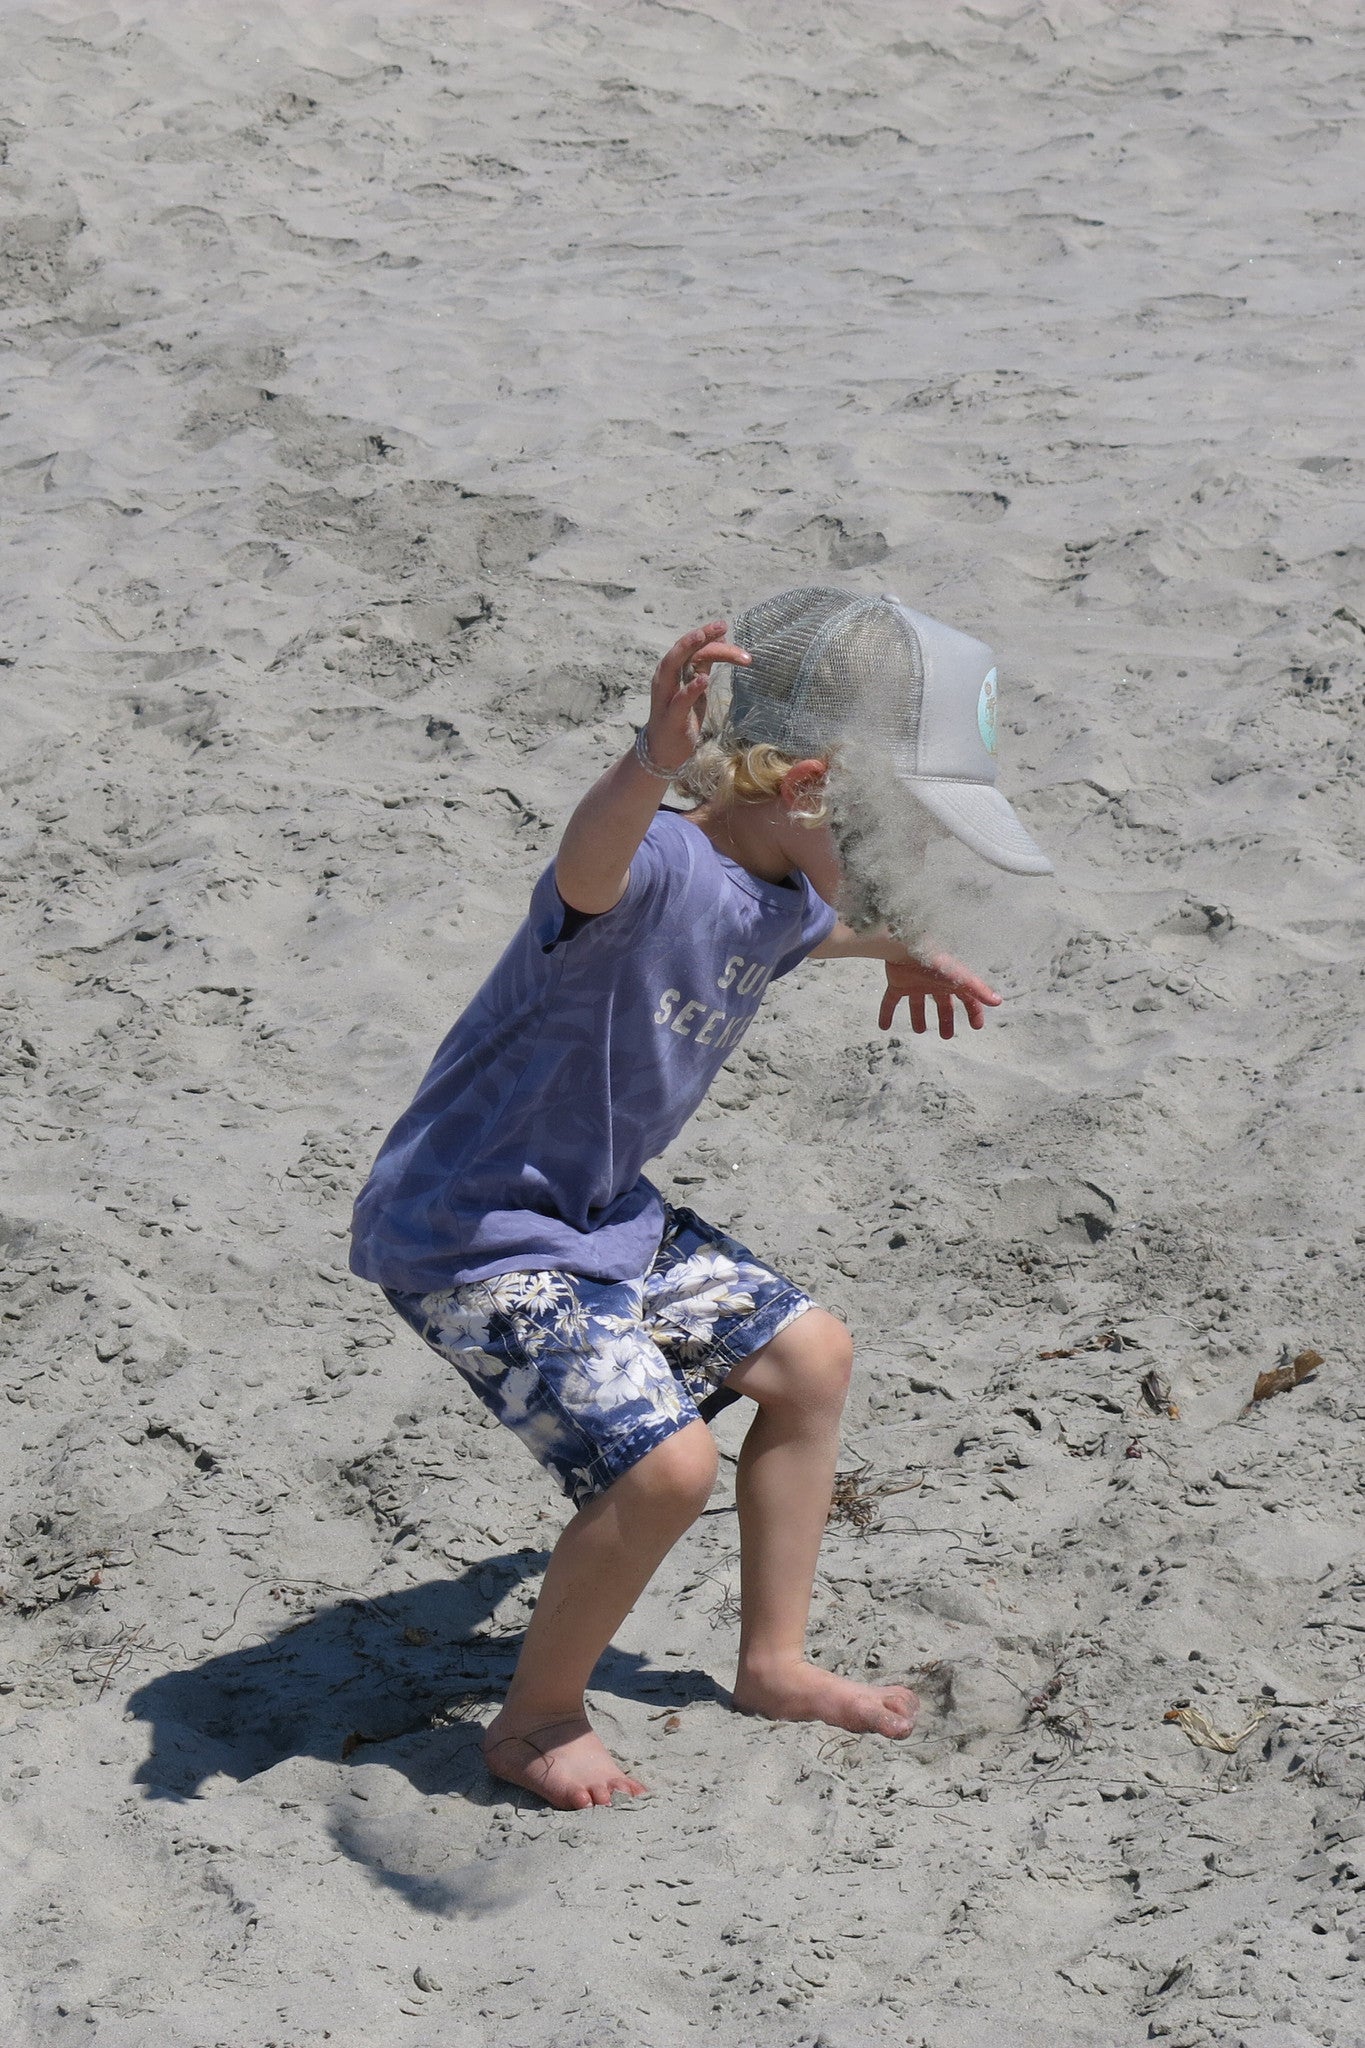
x,y
122,1653
727,1608
276,1586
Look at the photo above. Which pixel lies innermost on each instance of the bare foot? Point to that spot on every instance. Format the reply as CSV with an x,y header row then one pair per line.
x,y
802,1692
562,1762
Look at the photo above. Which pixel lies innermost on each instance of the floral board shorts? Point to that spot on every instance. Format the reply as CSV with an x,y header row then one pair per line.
x,y
592,1374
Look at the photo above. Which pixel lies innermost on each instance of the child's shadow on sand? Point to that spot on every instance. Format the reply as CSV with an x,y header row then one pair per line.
x,y
407,1664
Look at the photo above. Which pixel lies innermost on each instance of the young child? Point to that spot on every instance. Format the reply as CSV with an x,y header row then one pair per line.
x,y
507,1218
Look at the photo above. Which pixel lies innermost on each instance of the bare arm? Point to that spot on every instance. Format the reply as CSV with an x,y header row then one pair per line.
x,y
941,979
844,943
603,835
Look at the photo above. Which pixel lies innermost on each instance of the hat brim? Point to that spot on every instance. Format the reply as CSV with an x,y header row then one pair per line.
x,y
977,814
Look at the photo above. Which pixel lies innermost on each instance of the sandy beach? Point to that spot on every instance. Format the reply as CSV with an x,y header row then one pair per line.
x,y
382,393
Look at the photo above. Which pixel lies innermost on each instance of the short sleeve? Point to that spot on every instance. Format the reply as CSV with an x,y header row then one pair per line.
x,y
651,873
654,869
818,920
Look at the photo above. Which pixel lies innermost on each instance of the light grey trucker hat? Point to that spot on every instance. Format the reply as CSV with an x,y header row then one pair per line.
x,y
830,666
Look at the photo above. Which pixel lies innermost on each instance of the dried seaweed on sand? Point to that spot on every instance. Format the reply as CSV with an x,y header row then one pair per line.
x,y
1202,1732
854,1499
1281,1378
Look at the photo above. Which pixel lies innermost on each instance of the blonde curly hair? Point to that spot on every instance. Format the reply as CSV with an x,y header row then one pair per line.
x,y
725,770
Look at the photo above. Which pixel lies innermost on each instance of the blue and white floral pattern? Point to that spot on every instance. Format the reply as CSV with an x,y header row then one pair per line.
x,y
592,1374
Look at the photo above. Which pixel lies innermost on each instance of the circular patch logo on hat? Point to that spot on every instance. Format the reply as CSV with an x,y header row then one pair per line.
x,y
985,713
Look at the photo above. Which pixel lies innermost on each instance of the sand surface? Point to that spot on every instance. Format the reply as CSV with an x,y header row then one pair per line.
x,y
383,392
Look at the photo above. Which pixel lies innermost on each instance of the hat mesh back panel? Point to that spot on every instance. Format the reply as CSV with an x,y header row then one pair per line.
x,y
778,634
828,666
867,680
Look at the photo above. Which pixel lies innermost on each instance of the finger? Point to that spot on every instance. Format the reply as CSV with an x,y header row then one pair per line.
x,y
979,992
944,1005
700,636
917,1019
690,694
720,650
681,652
887,1010
976,1016
965,984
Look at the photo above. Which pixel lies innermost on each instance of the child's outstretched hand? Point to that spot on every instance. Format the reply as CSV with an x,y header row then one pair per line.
x,y
677,698
942,981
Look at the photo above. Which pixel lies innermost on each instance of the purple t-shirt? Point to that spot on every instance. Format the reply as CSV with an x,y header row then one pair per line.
x,y
582,1056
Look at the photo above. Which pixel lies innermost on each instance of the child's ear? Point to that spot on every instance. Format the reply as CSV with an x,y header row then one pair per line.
x,y
802,781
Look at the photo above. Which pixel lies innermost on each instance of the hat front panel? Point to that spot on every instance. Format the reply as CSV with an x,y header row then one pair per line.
x,y
957,715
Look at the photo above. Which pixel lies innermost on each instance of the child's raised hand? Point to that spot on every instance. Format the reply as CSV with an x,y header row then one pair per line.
x,y
678,692
942,981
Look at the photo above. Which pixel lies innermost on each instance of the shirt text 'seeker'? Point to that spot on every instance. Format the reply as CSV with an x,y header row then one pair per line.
x,y
745,977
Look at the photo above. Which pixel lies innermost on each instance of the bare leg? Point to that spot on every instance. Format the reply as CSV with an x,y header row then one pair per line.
x,y
786,1474
542,1739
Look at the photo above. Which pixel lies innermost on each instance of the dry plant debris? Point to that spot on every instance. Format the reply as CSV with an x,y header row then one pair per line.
x,y
463,1707
1201,1730
1281,1378
1104,1340
855,1501
126,1643
1069,1722
1156,1392
726,1609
